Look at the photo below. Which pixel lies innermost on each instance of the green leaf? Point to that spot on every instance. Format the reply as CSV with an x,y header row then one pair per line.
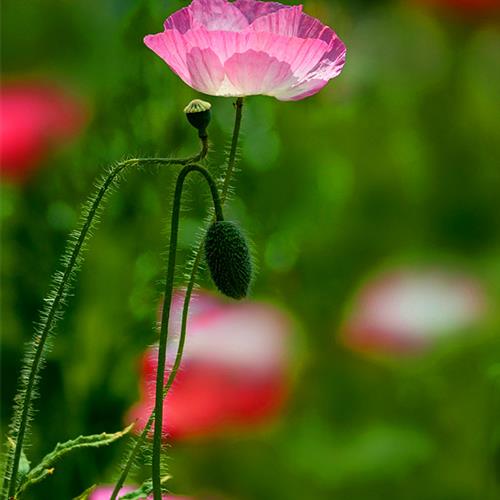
x,y
24,467
24,463
144,491
86,494
46,466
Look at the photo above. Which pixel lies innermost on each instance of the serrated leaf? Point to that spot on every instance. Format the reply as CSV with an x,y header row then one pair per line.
x,y
46,466
86,494
144,490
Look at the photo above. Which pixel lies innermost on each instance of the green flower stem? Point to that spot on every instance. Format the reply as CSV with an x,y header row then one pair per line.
x,y
55,303
231,162
169,286
226,182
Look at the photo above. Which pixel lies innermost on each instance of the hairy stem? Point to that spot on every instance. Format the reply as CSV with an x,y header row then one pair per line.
x,y
169,286
52,312
226,182
231,162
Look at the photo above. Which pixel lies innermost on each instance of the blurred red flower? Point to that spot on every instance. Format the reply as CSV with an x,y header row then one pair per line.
x,y
35,117
406,310
234,373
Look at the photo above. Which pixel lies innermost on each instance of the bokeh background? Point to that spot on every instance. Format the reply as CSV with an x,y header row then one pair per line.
x,y
395,164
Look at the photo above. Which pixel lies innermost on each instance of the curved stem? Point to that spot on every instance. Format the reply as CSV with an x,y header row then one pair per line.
x,y
169,285
185,310
50,315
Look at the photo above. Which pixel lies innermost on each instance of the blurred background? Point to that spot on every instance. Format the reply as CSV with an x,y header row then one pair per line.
x,y
374,208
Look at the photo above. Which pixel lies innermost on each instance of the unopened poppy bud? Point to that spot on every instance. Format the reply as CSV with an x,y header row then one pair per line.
x,y
228,258
199,113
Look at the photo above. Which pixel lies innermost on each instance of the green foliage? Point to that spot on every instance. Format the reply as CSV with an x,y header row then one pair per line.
x,y
51,313
86,494
46,467
394,162
24,464
144,490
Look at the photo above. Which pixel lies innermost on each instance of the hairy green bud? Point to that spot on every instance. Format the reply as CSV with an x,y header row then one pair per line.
x,y
228,258
199,114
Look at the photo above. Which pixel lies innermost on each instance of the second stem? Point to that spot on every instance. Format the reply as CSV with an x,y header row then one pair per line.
x,y
169,285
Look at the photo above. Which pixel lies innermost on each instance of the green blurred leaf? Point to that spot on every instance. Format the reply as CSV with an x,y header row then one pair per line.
x,y
379,451
144,490
46,466
86,494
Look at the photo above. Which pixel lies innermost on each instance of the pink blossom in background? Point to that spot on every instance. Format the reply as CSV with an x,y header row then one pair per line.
x,y
35,117
249,47
234,373
406,310
104,493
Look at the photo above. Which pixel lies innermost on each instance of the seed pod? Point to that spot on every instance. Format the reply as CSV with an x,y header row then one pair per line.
x,y
199,114
228,259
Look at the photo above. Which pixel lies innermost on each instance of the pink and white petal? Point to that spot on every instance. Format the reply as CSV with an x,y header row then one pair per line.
x,y
249,337
253,9
216,15
284,22
172,47
294,23
300,91
205,70
330,66
223,43
332,63
337,54
254,73
303,55
310,27
182,20
201,304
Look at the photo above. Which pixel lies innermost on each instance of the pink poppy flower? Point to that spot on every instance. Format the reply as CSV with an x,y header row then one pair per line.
x,y
104,493
234,373
406,310
34,118
249,47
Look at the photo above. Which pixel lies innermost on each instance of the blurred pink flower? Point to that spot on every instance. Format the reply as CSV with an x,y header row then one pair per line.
x,y
234,373
407,309
34,118
104,493
249,47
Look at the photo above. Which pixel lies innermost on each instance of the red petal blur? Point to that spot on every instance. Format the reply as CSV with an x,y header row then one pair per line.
x,y
35,118
407,310
234,374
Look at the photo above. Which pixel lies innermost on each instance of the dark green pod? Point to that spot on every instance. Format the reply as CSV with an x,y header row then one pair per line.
x,y
228,258
199,114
